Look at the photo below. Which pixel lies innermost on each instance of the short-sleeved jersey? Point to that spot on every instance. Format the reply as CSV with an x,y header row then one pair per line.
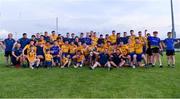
x,y
24,42
48,57
31,56
112,39
17,52
154,41
169,42
72,49
9,43
55,50
138,48
65,48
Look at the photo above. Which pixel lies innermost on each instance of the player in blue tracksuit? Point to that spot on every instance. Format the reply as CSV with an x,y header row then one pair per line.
x,y
170,50
156,47
8,44
17,55
24,40
56,51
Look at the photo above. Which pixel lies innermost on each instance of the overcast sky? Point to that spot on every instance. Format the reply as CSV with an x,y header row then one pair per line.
x,y
103,16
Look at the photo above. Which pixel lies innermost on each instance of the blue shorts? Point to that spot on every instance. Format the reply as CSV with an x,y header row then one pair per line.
x,y
57,59
48,63
65,54
139,57
71,56
132,55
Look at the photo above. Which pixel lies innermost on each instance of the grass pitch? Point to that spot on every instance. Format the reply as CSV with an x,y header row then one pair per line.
x,y
84,83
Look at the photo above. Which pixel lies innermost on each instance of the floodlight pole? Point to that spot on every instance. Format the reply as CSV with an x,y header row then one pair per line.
x,y
172,16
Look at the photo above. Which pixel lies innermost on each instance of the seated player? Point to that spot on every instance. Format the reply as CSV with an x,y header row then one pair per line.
x,y
56,53
79,59
139,52
17,55
49,62
103,60
116,59
86,53
125,53
26,50
65,61
31,56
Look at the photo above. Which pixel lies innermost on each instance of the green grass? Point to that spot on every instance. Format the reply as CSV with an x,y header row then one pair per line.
x,y
84,83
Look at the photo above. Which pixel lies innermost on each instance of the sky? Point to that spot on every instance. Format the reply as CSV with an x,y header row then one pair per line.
x,y
102,16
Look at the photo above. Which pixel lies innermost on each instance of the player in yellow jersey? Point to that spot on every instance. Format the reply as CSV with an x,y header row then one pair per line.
x,y
31,56
132,36
86,52
27,48
94,39
60,41
139,52
49,62
65,49
113,37
131,49
109,47
100,48
65,61
142,40
47,46
80,47
53,36
41,40
79,59
125,52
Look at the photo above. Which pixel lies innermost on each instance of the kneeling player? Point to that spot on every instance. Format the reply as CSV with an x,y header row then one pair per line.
x,y
79,59
31,56
48,59
103,60
17,55
55,51
66,61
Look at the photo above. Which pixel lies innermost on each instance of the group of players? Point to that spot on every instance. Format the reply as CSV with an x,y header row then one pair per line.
x,y
110,51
